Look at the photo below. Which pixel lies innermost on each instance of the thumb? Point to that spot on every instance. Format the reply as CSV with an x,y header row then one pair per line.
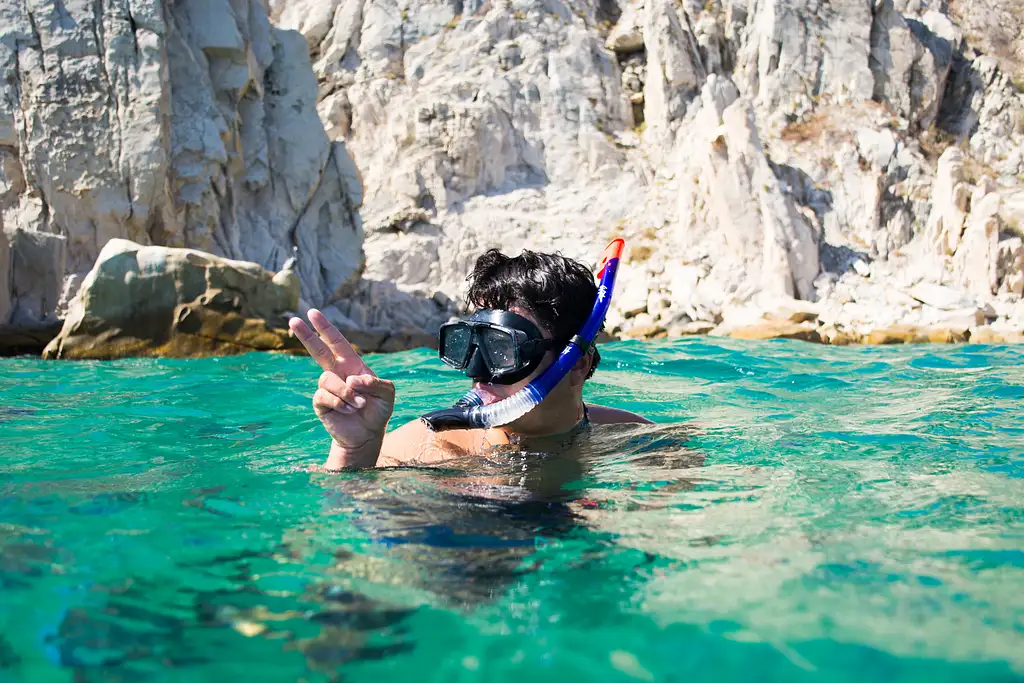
x,y
371,385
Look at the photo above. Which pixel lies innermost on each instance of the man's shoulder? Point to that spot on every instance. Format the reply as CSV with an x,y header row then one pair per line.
x,y
605,415
415,443
417,431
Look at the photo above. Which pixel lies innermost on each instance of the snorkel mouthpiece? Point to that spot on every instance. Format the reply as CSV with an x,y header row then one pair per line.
x,y
469,411
453,418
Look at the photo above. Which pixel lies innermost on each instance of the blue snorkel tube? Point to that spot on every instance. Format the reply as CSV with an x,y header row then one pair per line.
x,y
469,411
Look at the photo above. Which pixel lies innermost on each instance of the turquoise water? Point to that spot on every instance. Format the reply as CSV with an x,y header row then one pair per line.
x,y
827,515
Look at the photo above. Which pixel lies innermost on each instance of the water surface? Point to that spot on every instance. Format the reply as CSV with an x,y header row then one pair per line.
x,y
799,513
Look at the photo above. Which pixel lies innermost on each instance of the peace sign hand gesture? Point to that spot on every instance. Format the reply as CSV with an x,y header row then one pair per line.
x,y
353,404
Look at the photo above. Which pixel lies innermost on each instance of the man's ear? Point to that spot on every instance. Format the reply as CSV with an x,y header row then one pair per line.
x,y
582,368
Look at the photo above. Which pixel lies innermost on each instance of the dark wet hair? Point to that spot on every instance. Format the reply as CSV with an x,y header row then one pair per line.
x,y
558,291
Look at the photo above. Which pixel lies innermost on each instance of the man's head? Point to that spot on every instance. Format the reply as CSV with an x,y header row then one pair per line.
x,y
528,308
555,292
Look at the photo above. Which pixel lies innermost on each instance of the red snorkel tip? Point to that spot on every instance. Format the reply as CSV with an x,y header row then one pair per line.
x,y
611,252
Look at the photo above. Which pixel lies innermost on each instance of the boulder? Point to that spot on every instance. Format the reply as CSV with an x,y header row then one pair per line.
x,y
836,336
627,36
404,341
367,341
913,334
960,319
877,146
389,341
939,296
1010,312
682,286
988,335
382,305
793,310
160,301
659,305
632,297
947,335
31,277
697,327
646,331
777,329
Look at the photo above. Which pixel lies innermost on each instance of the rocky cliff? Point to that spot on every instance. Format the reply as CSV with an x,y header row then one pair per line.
x,y
864,158
186,123
839,165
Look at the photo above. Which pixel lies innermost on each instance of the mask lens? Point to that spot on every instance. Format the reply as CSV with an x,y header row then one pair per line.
x,y
455,344
500,348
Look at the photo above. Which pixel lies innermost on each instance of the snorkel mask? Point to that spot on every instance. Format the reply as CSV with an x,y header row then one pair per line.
x,y
506,350
493,347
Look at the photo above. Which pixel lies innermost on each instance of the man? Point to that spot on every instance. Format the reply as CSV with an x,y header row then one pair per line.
x,y
540,300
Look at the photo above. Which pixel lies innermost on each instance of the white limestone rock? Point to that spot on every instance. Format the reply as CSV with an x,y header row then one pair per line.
x,y
729,189
908,74
950,197
190,123
1010,268
855,220
939,296
675,72
627,36
877,146
438,108
976,259
514,125
983,105
37,262
5,279
792,53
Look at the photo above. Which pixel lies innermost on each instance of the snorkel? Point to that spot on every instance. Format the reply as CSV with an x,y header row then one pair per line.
x,y
469,411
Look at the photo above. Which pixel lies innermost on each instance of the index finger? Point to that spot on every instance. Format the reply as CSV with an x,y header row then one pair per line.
x,y
313,343
345,355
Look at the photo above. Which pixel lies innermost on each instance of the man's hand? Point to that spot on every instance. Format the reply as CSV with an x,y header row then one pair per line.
x,y
353,404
